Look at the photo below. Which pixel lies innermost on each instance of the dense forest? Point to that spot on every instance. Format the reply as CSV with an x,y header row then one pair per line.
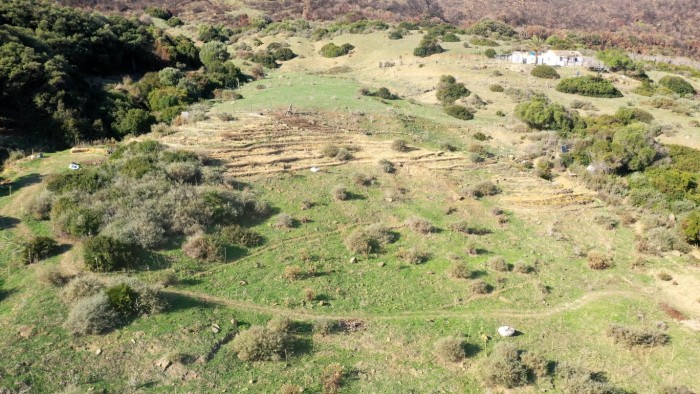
x,y
62,73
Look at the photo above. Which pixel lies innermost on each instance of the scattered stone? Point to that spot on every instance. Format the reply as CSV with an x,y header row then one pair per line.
x,y
242,283
215,328
190,375
353,260
381,264
26,331
430,273
163,363
234,323
98,351
322,303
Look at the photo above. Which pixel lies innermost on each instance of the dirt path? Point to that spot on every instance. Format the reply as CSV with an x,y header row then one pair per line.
x,y
430,314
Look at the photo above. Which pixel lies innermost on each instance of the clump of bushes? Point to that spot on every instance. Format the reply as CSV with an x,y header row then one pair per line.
x,y
483,42
400,145
106,254
589,86
260,343
386,166
631,337
370,239
490,53
428,46
483,189
598,261
459,112
382,93
478,287
677,85
450,349
505,368
449,90
419,225
237,235
39,248
499,264
92,315
82,287
539,113
336,152
496,88
412,255
690,226
579,381
203,247
339,193
332,50
544,71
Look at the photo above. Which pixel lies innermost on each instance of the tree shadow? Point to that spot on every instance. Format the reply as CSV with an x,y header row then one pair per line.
x,y
350,196
7,222
26,180
180,302
301,345
302,327
478,274
234,252
471,349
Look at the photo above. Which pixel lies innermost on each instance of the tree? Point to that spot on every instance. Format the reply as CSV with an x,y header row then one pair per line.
x,y
213,52
691,227
133,121
634,146
449,91
677,85
428,46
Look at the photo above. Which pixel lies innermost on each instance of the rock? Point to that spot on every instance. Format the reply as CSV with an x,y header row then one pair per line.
x,y
242,283
163,363
322,303
215,328
98,352
353,260
26,331
675,253
430,273
234,323
190,375
381,264
506,331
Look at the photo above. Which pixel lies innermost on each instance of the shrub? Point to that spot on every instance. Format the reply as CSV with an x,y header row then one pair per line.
x,y
483,42
324,326
260,344
504,367
280,324
490,53
543,169
123,299
105,254
427,47
395,35
459,112
499,264
283,220
598,261
38,249
292,273
690,226
483,189
496,88
39,206
363,179
450,37
581,381
459,271
540,114
412,255
184,172
331,378
370,239
589,86
82,287
332,50
52,275
448,90
237,235
664,276
450,349
487,27
480,287
637,338
677,85
203,247
544,71
79,222
92,315
400,145
479,136
608,222
419,225
538,365
339,193
630,115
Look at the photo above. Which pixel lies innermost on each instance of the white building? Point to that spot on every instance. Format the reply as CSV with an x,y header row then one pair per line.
x,y
550,58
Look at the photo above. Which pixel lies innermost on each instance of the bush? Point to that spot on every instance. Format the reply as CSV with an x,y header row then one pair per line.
x,y
483,42
412,255
106,254
280,325
332,50
292,273
283,220
544,71
92,315
690,226
677,85
459,112
400,146
123,299
448,90
52,275
598,261
479,136
496,88
589,86
237,235
540,114
203,247
490,53
79,222
331,378
370,239
386,166
419,225
82,287
629,115
450,349
324,326
427,47
499,264
260,344
40,204
637,338
504,367
581,381
664,276
339,193
538,365
363,179
480,287
459,271
543,169
483,189
38,249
